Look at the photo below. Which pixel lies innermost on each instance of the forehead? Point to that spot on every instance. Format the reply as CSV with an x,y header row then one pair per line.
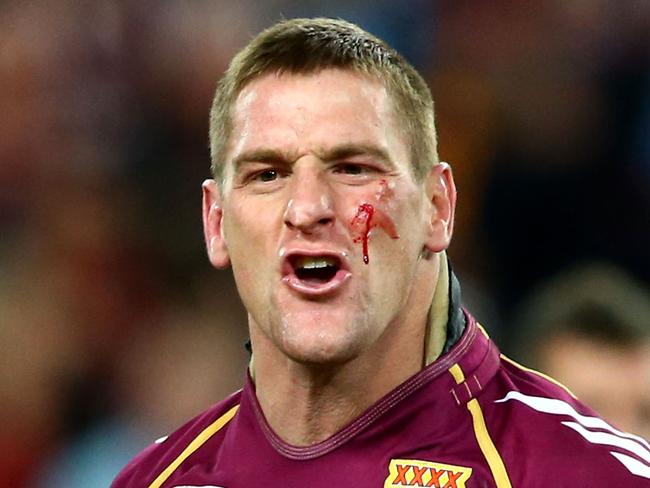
x,y
302,112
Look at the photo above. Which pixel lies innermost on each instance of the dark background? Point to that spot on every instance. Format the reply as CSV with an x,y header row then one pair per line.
x,y
113,327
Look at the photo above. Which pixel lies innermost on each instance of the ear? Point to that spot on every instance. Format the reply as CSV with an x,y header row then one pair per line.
x,y
441,193
213,225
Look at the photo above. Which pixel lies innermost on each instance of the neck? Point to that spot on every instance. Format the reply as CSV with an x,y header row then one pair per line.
x,y
308,403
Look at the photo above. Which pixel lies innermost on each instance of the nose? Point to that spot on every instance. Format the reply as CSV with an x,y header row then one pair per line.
x,y
310,206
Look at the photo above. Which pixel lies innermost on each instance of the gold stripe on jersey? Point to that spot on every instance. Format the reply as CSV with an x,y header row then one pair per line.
x,y
538,373
529,370
483,438
198,441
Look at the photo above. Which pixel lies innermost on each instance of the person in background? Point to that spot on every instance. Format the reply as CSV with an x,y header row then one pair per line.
x,y
589,327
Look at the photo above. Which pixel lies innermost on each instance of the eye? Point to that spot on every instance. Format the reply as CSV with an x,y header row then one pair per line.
x,y
350,169
266,176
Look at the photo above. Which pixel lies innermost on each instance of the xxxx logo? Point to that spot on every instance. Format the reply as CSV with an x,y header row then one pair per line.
x,y
411,472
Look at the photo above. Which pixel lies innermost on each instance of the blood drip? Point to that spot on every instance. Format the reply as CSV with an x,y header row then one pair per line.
x,y
368,217
363,217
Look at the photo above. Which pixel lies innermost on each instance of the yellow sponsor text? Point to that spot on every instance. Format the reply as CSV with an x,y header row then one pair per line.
x,y
413,472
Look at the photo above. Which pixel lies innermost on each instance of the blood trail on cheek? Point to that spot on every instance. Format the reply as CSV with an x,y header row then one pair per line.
x,y
365,219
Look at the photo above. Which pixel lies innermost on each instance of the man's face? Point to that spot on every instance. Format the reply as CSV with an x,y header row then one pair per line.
x,y
308,156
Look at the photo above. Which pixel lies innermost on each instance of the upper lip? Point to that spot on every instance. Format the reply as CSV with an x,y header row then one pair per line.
x,y
290,254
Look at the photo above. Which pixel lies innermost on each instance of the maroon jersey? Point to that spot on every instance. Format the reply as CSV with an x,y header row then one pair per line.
x,y
473,418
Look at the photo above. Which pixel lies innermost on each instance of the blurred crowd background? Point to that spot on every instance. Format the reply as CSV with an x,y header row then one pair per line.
x,y
113,327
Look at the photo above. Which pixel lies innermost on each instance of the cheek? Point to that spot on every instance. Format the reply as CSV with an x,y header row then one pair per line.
x,y
244,230
368,216
375,210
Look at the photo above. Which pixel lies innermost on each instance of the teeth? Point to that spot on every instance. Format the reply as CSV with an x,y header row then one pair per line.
x,y
309,262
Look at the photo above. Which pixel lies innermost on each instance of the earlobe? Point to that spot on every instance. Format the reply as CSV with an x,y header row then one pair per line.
x,y
441,193
215,241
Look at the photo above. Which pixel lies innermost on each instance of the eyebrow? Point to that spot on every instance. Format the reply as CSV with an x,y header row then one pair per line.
x,y
259,156
343,151
350,150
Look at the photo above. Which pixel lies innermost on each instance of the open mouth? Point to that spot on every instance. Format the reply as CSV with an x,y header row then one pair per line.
x,y
315,270
315,274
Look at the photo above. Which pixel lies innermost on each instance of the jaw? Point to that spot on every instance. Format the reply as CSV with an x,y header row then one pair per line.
x,y
321,328
315,346
319,331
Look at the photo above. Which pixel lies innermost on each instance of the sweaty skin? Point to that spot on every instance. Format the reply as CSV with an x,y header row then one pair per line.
x,y
369,216
319,363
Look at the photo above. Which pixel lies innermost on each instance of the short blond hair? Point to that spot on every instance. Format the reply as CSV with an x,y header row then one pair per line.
x,y
306,46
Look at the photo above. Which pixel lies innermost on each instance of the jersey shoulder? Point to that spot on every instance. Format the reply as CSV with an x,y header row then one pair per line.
x,y
542,425
143,469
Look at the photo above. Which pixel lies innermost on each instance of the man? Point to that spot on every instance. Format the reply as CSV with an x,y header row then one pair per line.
x,y
331,206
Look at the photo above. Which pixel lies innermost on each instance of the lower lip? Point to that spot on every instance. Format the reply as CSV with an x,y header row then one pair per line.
x,y
317,289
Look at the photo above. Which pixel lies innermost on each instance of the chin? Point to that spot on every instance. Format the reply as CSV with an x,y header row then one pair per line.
x,y
321,354
322,340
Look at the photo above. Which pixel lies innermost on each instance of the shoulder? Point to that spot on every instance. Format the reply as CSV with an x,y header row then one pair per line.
x,y
142,470
541,425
